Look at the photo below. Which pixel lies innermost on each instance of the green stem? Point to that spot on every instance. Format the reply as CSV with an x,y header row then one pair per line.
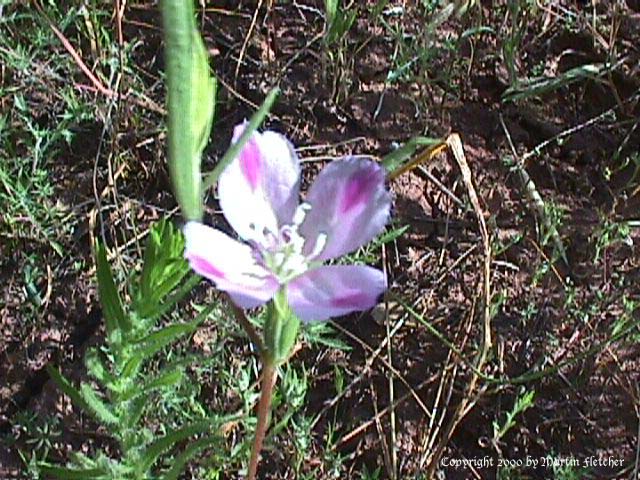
x,y
264,408
234,150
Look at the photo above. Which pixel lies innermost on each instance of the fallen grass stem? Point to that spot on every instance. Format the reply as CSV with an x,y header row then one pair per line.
x,y
525,377
150,105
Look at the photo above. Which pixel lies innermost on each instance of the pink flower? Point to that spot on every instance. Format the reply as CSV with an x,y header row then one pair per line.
x,y
285,243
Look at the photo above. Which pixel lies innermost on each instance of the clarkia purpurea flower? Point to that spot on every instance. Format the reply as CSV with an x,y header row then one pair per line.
x,y
286,242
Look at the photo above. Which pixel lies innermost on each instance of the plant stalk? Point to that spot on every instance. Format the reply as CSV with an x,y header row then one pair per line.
x,y
264,408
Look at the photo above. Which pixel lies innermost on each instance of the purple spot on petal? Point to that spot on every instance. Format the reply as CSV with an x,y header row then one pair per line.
x,y
251,163
360,187
203,267
351,300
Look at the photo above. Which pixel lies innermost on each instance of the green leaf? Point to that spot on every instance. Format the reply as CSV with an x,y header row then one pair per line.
x,y
112,310
96,406
85,398
97,369
288,337
72,392
163,270
204,89
171,280
136,409
391,235
190,98
234,150
152,343
322,333
340,26
331,10
71,473
338,21
156,341
399,157
165,443
165,379
163,250
132,366
179,295
181,460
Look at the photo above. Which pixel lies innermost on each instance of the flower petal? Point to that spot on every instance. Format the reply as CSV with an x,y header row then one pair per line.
x,y
349,206
258,191
335,290
231,265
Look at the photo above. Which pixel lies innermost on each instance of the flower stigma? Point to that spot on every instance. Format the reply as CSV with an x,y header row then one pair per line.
x,y
282,253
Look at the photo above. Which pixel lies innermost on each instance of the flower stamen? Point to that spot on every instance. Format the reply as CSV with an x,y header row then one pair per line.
x,y
321,242
301,213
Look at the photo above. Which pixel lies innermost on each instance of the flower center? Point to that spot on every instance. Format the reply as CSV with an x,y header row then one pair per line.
x,y
282,252
286,259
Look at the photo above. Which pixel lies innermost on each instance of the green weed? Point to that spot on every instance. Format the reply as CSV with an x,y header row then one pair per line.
x,y
611,233
123,389
338,22
523,402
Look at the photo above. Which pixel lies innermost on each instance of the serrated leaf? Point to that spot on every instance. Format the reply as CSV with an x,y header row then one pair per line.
x,y
132,366
112,310
96,406
179,295
322,333
163,270
72,392
97,369
164,244
171,280
165,379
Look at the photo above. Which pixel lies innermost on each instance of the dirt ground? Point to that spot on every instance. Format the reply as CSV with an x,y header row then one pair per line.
x,y
562,277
